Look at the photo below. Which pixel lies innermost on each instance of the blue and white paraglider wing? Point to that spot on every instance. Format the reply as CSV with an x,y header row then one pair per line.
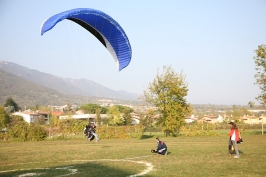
x,y
102,26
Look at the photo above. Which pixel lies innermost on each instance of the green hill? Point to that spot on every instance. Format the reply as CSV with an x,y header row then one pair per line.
x,y
26,93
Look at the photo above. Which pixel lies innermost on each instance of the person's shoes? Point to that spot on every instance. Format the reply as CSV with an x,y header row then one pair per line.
x,y
236,157
165,153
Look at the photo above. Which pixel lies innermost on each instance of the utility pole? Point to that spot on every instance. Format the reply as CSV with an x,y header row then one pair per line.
x,y
49,126
262,127
261,120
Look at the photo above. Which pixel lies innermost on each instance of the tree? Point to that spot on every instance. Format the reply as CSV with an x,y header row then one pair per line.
x,y
167,92
10,102
4,118
237,112
114,116
127,116
54,121
67,109
124,108
148,119
260,76
98,116
9,109
251,104
92,108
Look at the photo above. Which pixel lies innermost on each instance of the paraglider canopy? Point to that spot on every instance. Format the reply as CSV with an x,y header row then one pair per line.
x,y
102,26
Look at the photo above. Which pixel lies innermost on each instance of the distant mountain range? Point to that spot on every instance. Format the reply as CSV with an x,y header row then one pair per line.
x,y
26,84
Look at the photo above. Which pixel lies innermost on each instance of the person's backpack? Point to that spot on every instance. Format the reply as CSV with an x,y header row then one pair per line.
x,y
240,139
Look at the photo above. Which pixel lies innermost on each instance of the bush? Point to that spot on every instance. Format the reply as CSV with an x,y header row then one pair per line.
x,y
25,132
19,131
199,129
108,132
36,133
72,126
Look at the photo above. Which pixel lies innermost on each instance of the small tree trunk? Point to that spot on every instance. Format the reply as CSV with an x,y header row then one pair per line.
x,y
167,133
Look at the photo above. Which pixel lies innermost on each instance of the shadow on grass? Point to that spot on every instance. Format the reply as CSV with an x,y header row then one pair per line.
x,y
168,153
106,146
87,169
234,153
143,137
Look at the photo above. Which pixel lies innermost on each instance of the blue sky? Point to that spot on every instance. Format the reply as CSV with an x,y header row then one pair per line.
x,y
211,42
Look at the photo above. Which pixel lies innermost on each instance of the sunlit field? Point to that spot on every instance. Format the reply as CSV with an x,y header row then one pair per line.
x,y
188,156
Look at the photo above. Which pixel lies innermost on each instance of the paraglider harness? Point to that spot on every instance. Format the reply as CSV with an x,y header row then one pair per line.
x,y
88,132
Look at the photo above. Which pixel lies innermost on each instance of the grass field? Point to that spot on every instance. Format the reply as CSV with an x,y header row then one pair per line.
x,y
189,156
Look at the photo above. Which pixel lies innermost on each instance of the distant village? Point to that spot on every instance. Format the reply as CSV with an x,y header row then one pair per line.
x,y
58,111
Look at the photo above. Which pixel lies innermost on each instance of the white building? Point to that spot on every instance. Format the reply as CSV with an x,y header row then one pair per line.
x,y
28,116
82,116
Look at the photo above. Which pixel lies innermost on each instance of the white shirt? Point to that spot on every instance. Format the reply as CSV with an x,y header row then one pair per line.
x,y
233,136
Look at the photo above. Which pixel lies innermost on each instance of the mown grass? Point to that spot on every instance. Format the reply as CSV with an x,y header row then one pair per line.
x,y
189,156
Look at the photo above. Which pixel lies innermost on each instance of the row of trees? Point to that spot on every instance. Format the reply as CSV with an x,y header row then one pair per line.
x,y
117,115
15,128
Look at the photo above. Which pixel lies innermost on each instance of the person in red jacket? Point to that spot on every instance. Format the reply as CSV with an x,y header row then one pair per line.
x,y
234,137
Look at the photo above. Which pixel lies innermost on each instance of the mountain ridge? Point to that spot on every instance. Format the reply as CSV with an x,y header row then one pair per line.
x,y
66,86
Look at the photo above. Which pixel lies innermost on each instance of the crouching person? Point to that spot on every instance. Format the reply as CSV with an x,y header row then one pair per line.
x,y
161,148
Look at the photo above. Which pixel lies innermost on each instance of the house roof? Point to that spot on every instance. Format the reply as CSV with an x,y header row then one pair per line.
x,y
211,117
249,117
30,113
57,113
